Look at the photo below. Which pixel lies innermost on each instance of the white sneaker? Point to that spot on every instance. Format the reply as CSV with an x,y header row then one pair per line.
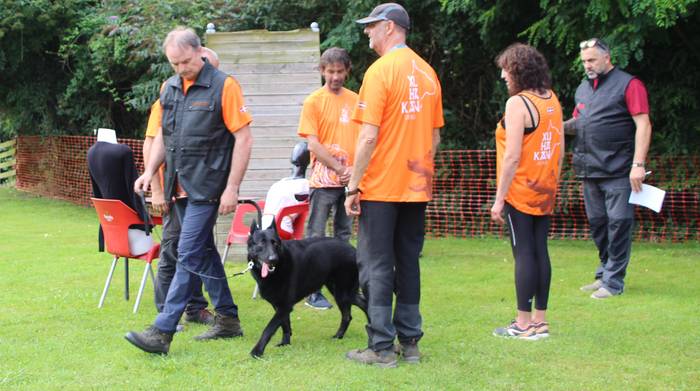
x,y
602,293
597,284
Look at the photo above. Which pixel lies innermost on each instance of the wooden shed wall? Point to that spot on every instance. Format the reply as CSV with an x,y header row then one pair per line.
x,y
277,71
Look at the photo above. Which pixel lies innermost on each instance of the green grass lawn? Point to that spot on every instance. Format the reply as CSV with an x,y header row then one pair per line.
x,y
53,336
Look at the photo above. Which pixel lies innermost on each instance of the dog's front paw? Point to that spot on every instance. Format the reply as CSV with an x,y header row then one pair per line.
x,y
283,343
338,336
256,352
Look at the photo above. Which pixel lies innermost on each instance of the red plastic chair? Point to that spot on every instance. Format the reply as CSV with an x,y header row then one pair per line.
x,y
115,218
302,212
238,233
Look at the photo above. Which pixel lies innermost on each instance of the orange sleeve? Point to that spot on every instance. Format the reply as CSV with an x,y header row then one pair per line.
x,y
372,99
154,120
308,121
233,106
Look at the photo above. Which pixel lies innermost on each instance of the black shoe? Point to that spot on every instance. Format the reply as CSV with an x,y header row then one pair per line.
x,y
202,316
151,340
224,327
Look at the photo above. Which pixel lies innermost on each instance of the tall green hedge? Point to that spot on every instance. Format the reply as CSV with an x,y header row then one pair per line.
x,y
70,66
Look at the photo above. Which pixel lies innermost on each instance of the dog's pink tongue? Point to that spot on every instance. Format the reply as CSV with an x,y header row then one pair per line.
x,y
264,270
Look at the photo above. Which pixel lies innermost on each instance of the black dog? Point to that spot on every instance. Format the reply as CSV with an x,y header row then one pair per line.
x,y
288,271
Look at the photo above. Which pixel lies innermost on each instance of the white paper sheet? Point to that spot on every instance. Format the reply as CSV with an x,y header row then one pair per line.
x,y
650,197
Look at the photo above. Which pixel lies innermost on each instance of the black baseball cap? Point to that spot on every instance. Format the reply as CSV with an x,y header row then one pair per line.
x,y
388,11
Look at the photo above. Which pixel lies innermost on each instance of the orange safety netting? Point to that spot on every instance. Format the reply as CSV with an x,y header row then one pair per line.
x,y
465,184
463,189
57,166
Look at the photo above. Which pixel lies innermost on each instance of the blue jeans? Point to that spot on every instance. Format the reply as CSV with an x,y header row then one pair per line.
x,y
322,202
197,255
389,243
611,219
167,264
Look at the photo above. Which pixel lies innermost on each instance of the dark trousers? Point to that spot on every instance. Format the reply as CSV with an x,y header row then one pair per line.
x,y
533,269
389,243
322,202
611,218
197,255
166,267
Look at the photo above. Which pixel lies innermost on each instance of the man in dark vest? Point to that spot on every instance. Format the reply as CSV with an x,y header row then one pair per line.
x,y
196,310
613,132
203,117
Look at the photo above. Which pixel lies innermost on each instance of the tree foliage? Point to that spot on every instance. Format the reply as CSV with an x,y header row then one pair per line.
x,y
74,65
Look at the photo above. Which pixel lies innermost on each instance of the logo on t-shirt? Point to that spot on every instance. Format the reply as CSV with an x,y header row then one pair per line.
x,y
423,168
546,147
344,115
413,104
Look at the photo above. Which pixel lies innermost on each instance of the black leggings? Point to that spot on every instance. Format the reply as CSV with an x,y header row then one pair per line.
x,y
533,270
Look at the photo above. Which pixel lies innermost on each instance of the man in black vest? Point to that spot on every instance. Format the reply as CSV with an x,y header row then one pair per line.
x,y
613,132
196,310
203,116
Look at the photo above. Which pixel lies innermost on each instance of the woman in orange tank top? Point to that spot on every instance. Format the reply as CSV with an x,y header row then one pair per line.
x,y
529,152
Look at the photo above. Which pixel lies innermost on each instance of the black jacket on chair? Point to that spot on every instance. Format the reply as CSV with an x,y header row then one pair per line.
x,y
113,173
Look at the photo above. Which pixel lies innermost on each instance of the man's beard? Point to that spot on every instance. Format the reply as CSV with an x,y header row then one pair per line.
x,y
335,87
593,74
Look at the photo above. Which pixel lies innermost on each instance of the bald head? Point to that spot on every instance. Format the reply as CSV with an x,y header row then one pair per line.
x,y
183,38
184,51
211,56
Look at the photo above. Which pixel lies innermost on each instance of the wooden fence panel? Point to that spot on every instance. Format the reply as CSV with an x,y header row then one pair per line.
x,y
277,71
8,161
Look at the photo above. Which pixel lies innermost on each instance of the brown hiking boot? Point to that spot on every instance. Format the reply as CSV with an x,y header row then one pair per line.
x,y
151,340
383,358
409,352
202,316
224,327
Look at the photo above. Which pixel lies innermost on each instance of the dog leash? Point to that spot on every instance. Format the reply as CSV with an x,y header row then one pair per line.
x,y
246,270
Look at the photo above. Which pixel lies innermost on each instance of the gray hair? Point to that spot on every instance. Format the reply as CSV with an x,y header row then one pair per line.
x,y
182,37
335,55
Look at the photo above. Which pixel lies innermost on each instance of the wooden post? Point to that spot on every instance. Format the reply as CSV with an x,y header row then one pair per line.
x,y
7,161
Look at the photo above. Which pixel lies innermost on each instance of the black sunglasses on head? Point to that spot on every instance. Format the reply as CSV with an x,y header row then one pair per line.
x,y
593,42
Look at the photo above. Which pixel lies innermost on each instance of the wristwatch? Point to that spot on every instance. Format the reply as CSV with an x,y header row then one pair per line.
x,y
638,164
349,192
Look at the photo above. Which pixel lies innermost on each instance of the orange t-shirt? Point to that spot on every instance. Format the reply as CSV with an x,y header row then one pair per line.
x,y
154,119
534,187
327,116
401,94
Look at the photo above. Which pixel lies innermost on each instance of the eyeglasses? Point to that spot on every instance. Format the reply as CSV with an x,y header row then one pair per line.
x,y
593,42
